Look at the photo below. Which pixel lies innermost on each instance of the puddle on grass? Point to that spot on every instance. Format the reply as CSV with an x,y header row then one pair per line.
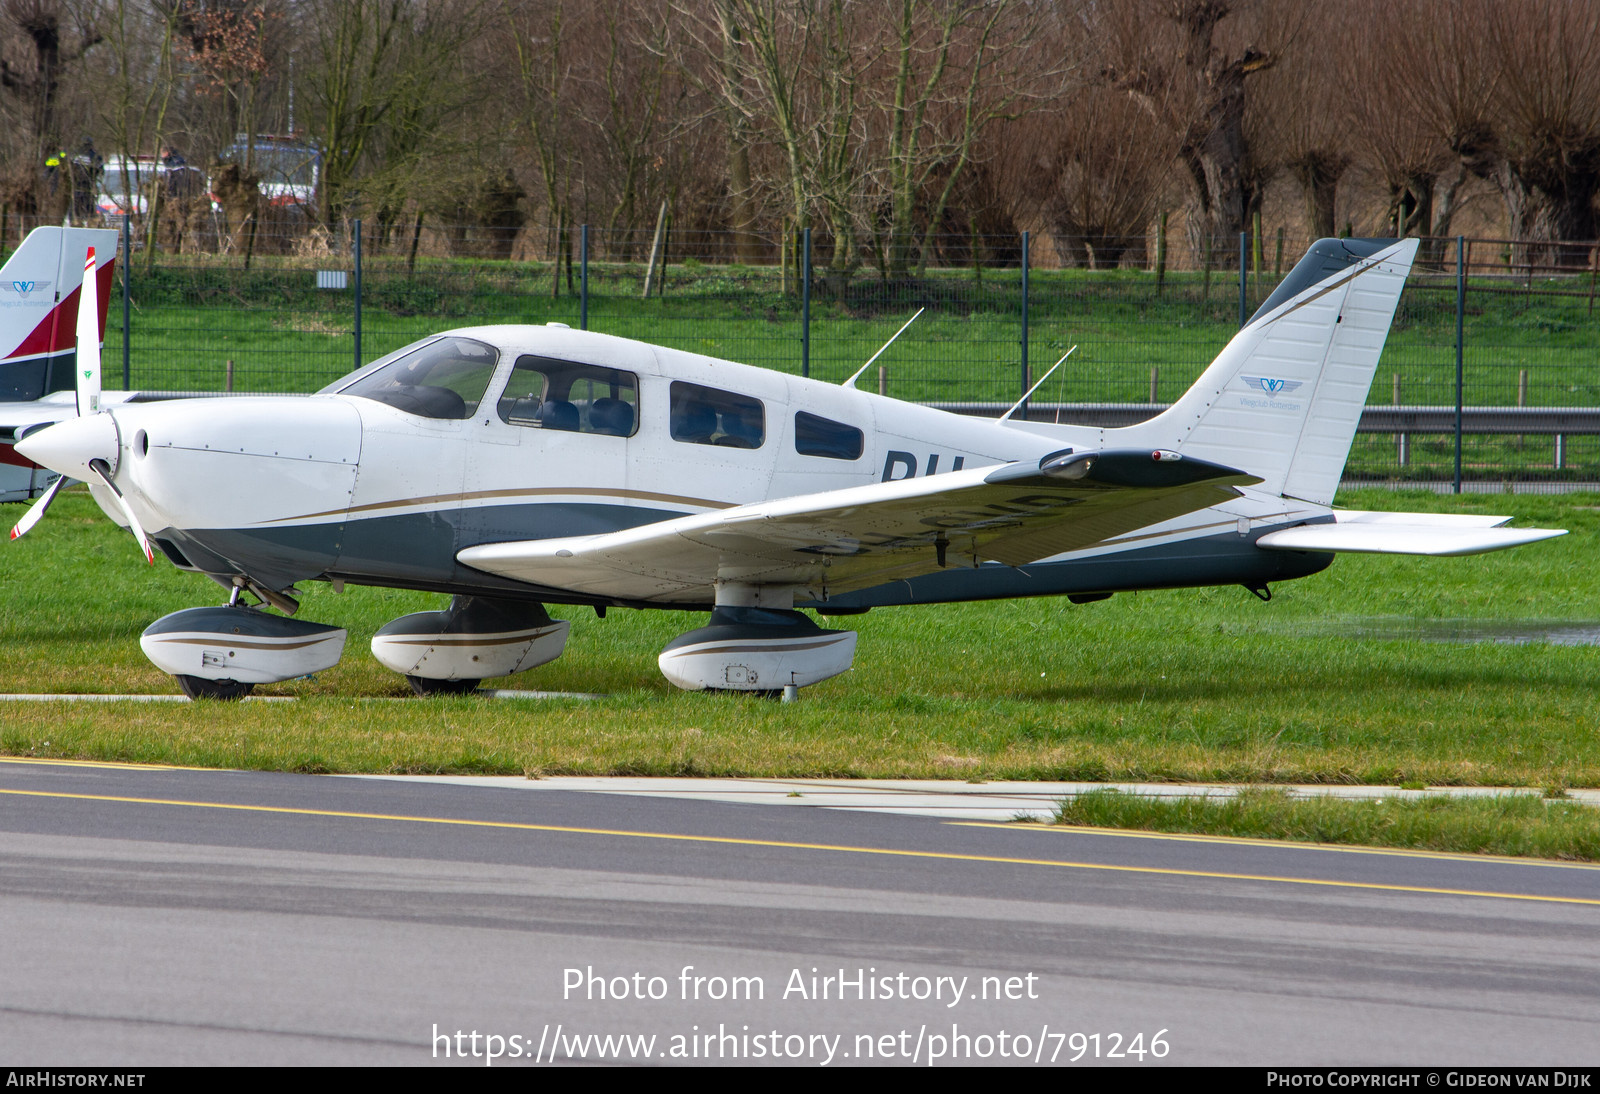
x,y
1398,629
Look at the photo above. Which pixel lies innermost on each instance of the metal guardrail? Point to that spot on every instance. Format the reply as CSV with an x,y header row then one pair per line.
x,y
1559,420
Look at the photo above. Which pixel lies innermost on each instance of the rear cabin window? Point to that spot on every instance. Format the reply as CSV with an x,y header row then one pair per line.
x,y
818,436
546,393
708,415
444,378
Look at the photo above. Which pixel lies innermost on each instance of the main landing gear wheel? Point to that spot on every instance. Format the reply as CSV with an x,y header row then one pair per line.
x,y
196,687
426,687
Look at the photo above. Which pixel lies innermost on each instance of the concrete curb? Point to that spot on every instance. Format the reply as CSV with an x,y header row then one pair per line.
x,y
992,801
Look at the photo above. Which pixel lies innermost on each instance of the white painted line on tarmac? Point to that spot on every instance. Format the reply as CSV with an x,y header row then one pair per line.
x,y
950,800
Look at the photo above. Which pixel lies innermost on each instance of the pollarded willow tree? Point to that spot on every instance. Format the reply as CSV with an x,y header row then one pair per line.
x,y
1547,110
50,37
1090,169
1298,123
1192,65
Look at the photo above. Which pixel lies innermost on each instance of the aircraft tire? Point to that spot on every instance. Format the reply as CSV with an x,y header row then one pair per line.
x,y
196,687
425,687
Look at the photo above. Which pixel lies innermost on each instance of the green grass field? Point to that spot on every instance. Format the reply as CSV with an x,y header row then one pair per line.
x,y
1184,685
1507,824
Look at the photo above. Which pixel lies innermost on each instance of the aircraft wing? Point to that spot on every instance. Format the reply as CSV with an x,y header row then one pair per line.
x,y
862,536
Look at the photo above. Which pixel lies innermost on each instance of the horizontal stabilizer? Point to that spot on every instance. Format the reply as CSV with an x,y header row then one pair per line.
x,y
1432,520
1425,534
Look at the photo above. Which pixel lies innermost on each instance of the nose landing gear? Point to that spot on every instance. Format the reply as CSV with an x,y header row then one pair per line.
x,y
222,653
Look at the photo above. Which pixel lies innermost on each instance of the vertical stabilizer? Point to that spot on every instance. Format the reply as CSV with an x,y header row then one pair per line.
x,y
1283,398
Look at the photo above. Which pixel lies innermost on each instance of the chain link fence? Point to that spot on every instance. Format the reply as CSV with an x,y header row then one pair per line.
x,y
288,306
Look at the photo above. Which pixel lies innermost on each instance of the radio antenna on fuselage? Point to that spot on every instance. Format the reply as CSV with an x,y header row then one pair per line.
x,y
1035,387
852,381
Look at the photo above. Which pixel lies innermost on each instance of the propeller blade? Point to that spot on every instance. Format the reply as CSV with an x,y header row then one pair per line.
x,y
99,467
36,510
89,340
88,388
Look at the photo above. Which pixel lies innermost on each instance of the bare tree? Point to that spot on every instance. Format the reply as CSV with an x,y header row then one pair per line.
x,y
796,70
388,84
1190,71
135,96
957,69
631,85
1446,69
234,47
541,41
738,134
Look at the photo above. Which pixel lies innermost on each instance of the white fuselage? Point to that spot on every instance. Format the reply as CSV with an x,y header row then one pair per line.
x,y
281,489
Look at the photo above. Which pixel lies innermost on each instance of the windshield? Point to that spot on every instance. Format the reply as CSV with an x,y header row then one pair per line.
x,y
441,378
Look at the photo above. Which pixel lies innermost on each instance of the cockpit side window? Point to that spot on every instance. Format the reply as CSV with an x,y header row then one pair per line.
x,y
547,393
707,415
444,378
815,435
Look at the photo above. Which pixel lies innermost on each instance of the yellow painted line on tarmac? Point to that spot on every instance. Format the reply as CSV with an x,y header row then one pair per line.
x,y
114,764
1263,841
895,852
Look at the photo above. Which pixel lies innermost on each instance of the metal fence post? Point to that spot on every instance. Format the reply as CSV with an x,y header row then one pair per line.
x,y
1022,411
583,278
127,263
1461,308
805,302
356,239
1244,276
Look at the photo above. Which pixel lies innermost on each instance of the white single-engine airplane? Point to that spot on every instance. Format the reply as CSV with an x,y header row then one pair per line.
x,y
519,466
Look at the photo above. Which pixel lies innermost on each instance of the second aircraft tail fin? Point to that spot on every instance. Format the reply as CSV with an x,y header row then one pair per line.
x,y
39,292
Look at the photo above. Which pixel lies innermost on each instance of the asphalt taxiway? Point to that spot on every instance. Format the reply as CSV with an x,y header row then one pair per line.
x,y
159,915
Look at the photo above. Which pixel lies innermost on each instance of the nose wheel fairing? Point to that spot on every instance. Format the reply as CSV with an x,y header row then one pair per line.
x,y
236,645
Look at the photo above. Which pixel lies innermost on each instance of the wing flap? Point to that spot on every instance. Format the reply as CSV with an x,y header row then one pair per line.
x,y
867,535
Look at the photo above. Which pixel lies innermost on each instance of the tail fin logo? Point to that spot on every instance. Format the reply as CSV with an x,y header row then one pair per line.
x,y
1272,386
24,288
